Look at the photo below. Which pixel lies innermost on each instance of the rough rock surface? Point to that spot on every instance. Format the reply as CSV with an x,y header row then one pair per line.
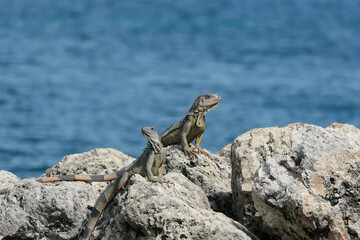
x,y
7,179
225,152
96,161
144,210
298,182
175,210
212,174
31,210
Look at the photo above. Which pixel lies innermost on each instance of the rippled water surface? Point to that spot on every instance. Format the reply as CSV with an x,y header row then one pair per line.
x,y
77,75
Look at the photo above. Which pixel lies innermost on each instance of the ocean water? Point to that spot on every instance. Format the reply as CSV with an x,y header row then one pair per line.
x,y
78,75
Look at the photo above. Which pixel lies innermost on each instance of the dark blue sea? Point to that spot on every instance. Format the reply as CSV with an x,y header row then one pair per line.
x,y
84,74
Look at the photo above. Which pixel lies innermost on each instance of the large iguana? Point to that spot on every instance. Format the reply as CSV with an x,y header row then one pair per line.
x,y
149,164
192,126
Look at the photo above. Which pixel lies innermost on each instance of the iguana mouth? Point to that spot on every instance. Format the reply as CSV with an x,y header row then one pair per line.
x,y
215,102
212,106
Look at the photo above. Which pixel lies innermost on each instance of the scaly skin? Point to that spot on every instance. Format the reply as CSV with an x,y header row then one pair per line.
x,y
83,177
192,126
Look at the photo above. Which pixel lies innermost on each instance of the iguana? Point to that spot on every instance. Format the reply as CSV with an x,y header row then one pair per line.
x,y
192,126
149,164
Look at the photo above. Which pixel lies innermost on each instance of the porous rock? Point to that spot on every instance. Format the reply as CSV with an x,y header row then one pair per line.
x,y
225,152
94,162
212,174
298,182
7,179
31,210
177,209
144,210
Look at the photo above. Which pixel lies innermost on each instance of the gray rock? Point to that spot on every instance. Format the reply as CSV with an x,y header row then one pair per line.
x,y
175,210
144,210
7,179
225,151
298,182
31,210
212,174
96,161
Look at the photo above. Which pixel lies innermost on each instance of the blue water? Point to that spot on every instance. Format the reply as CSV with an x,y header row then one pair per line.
x,y
77,75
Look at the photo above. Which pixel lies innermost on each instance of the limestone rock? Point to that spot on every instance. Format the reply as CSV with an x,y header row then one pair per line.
x,y
212,174
143,210
225,151
31,210
7,179
298,182
175,210
96,161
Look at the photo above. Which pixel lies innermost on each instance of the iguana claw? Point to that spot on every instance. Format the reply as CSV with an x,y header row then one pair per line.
x,y
190,152
203,151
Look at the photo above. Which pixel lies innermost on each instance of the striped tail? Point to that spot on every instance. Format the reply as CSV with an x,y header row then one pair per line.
x,y
105,197
82,177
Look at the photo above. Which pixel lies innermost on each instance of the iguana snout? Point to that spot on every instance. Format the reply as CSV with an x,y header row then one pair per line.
x,y
204,103
150,133
153,137
210,101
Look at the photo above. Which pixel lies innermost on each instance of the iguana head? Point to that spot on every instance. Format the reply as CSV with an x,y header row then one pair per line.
x,y
153,137
202,105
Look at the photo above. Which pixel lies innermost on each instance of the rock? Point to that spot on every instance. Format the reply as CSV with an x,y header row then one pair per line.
x,y
298,182
212,174
143,210
225,152
31,210
7,179
96,161
175,210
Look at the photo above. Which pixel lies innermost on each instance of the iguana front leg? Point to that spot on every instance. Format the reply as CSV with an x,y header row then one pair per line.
x,y
149,164
189,151
197,145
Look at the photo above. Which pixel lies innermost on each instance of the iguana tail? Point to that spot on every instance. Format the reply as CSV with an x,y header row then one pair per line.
x,y
105,197
82,177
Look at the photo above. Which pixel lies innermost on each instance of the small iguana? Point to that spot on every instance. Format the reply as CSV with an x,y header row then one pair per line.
x,y
149,164
192,126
